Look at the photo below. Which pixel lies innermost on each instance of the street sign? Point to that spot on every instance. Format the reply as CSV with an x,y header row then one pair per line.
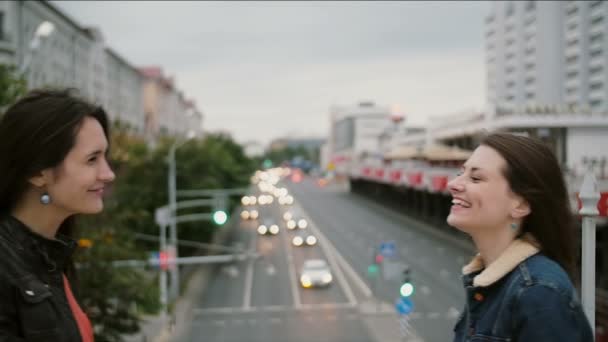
x,y
161,259
388,249
162,216
404,306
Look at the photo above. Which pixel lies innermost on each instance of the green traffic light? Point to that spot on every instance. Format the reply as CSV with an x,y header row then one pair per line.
x,y
220,217
406,290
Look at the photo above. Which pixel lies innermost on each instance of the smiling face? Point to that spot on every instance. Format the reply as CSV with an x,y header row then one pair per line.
x,y
77,185
481,197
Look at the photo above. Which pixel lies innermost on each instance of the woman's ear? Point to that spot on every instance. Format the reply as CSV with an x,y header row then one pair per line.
x,y
41,179
521,208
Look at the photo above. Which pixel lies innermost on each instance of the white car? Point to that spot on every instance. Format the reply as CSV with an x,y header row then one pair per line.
x,y
315,273
304,239
268,228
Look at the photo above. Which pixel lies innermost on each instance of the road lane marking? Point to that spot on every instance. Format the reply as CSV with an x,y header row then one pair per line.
x,y
249,276
273,308
292,272
330,253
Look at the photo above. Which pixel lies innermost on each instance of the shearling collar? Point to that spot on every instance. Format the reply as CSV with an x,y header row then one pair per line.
x,y
518,251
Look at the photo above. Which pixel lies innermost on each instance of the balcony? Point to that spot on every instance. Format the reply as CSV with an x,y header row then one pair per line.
x,y
597,28
598,93
571,51
597,11
597,77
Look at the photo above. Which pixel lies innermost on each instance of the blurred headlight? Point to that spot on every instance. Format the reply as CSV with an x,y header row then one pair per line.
x,y
274,229
311,240
253,214
287,216
245,215
245,200
262,229
291,224
252,200
305,280
302,223
297,241
327,278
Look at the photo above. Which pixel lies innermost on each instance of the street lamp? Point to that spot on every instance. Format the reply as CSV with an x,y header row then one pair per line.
x,y
173,210
45,29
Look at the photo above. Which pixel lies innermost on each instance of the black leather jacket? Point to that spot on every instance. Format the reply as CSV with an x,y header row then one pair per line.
x,y
33,303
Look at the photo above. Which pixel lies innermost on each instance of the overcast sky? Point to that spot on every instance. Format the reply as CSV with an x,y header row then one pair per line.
x,y
263,70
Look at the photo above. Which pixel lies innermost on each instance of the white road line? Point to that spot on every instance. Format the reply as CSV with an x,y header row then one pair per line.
x,y
292,272
367,292
273,308
331,252
249,276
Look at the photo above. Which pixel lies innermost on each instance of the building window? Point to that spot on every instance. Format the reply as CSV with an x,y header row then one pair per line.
x,y
596,53
572,73
596,86
510,8
570,90
572,42
530,5
572,59
530,80
595,4
572,10
596,103
529,96
596,38
595,70
597,20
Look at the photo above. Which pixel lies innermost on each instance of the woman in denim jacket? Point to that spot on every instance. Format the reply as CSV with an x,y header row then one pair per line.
x,y
512,200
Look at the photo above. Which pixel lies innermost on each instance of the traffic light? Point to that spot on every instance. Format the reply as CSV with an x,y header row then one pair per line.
x,y
407,288
220,217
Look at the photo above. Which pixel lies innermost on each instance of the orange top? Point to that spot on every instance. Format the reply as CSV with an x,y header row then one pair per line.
x,y
84,325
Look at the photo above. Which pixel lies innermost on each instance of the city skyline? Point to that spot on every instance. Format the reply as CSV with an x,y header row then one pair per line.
x,y
266,70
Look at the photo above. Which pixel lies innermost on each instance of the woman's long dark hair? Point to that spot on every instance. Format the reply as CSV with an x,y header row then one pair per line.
x,y
533,173
36,133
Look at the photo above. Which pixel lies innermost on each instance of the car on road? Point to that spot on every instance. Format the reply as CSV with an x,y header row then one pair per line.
x,y
304,239
249,214
315,273
269,227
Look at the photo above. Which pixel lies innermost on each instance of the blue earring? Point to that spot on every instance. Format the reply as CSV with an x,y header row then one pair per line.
x,y
45,198
513,225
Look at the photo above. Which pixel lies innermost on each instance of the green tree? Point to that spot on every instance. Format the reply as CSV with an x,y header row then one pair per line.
x,y
116,297
12,86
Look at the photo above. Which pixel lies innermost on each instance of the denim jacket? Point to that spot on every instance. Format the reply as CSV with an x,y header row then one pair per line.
x,y
523,296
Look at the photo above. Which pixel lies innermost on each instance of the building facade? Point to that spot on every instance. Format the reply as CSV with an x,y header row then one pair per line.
x,y
543,54
77,56
166,110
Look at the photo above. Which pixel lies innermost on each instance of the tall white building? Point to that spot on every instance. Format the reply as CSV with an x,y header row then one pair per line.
x,y
547,53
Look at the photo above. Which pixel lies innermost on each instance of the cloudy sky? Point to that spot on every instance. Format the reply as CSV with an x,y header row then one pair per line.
x,y
263,70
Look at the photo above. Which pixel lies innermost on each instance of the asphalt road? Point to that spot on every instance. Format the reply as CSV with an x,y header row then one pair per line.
x,y
261,300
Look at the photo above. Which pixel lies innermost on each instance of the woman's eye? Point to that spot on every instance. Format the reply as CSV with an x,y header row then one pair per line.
x,y
92,160
475,179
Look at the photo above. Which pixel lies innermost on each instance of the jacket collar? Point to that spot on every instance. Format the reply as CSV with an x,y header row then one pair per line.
x,y
518,251
55,252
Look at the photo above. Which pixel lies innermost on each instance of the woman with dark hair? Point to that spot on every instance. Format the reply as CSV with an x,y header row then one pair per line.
x,y
53,166
511,199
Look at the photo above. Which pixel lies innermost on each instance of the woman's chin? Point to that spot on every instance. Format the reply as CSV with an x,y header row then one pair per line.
x,y
456,223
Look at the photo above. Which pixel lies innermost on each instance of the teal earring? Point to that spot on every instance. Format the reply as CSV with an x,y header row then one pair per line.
x,y
514,226
45,198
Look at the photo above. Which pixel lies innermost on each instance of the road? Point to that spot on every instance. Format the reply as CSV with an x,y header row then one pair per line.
x,y
261,300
